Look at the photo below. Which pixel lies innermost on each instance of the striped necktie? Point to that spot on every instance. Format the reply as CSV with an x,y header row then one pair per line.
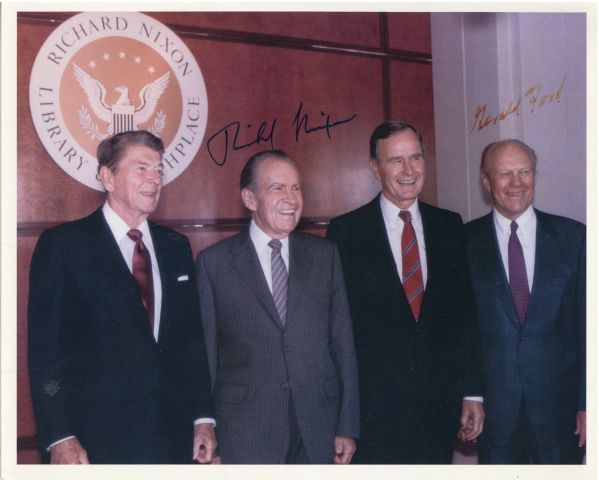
x,y
413,284
279,279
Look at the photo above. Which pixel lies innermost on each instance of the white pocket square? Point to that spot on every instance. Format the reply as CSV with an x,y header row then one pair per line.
x,y
183,278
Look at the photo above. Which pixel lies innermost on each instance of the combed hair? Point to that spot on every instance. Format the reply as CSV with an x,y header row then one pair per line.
x,y
112,149
248,174
388,128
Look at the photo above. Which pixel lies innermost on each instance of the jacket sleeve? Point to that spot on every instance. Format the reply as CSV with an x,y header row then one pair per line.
x,y
342,345
208,315
50,351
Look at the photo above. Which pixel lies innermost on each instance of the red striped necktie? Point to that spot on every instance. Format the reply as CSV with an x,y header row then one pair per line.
x,y
412,281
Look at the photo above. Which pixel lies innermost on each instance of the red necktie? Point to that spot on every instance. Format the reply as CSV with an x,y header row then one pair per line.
x,y
142,273
413,284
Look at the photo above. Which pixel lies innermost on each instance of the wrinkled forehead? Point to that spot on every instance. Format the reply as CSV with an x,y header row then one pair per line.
x,y
274,169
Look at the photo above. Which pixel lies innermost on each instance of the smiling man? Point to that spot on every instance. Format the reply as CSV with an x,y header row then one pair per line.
x,y
278,331
528,273
116,354
407,281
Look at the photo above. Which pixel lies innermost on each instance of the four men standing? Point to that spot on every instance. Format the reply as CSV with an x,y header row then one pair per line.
x,y
120,363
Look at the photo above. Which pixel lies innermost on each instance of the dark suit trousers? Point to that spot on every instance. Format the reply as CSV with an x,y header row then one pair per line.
x,y
523,449
417,430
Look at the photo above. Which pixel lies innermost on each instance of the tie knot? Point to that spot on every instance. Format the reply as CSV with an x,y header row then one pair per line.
x,y
514,226
405,215
135,235
275,244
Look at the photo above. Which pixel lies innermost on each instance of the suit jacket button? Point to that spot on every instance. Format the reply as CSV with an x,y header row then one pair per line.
x,y
521,338
284,386
287,348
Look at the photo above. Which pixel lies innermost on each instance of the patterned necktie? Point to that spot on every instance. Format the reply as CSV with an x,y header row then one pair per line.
x,y
142,273
279,279
413,284
518,278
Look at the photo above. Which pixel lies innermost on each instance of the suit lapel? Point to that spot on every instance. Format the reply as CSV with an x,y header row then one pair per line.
x,y
493,267
379,250
245,262
165,269
300,263
114,269
547,266
431,237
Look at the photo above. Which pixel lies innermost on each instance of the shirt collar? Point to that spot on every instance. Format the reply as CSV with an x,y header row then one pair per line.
x,y
391,211
119,227
526,222
261,239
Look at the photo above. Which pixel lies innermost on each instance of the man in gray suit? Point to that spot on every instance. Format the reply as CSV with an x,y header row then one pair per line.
x,y
528,274
278,331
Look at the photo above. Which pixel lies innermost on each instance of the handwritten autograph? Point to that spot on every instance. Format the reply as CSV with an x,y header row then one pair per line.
x,y
233,128
300,120
230,136
533,95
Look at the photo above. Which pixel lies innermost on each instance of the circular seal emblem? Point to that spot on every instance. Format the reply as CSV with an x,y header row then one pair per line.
x,y
99,74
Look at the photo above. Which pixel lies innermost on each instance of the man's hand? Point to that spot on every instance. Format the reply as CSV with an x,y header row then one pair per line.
x,y
204,442
345,448
471,420
581,427
68,452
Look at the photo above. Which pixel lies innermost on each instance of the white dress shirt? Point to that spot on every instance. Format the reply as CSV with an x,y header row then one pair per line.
x,y
527,234
260,241
394,226
119,229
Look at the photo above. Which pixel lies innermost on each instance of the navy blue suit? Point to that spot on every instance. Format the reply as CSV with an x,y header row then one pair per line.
x,y
96,370
540,365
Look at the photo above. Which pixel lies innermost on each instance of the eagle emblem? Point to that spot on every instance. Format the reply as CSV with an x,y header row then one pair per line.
x,y
122,115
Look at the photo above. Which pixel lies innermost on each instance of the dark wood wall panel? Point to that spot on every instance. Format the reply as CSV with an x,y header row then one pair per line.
x,y
335,27
354,68
410,32
241,89
26,429
411,100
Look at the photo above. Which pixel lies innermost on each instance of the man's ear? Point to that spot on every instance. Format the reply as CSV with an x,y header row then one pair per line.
x,y
249,199
107,178
374,166
486,182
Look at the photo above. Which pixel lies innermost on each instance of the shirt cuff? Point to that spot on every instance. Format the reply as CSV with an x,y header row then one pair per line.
x,y
205,420
59,441
474,399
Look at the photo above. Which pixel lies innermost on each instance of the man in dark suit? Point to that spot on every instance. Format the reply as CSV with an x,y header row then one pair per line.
x,y
116,354
528,273
407,282
278,331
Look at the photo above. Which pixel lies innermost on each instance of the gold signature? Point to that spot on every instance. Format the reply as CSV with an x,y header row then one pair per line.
x,y
533,96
